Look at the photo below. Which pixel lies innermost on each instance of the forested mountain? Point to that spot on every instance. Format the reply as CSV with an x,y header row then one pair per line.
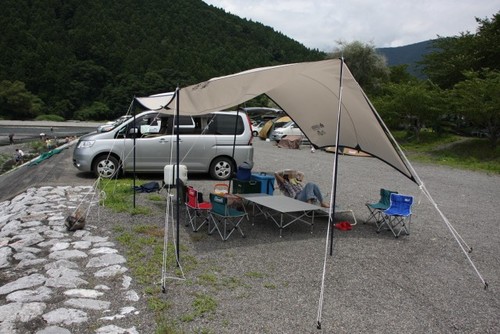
x,y
409,55
95,55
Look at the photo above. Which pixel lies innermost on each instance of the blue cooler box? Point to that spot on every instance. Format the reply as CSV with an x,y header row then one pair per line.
x,y
266,182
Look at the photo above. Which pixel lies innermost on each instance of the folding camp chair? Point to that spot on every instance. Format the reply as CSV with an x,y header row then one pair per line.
x,y
223,215
196,207
376,209
397,217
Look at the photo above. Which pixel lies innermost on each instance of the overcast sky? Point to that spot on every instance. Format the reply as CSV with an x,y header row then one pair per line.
x,y
384,23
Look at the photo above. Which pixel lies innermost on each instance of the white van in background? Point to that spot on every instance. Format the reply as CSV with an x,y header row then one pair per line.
x,y
207,144
289,129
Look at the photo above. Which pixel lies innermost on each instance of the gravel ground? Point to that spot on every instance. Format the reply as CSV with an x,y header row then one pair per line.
x,y
373,283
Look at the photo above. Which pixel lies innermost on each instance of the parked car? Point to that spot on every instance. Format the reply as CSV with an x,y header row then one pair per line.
x,y
113,124
288,129
262,113
256,127
270,125
206,145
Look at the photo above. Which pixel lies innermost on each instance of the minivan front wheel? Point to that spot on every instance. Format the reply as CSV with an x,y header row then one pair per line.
x,y
106,167
222,168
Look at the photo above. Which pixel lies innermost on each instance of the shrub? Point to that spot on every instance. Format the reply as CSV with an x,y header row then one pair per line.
x,y
50,117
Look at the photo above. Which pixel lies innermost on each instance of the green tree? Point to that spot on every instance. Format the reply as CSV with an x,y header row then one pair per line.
x,y
477,99
71,53
488,43
368,67
467,52
96,111
16,102
400,74
413,105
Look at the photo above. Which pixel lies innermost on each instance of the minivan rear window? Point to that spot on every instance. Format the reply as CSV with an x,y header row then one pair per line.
x,y
222,124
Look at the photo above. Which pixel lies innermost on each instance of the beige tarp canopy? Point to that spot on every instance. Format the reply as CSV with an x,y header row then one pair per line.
x,y
309,93
155,102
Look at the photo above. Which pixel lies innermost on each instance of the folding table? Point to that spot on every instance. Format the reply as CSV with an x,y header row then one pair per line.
x,y
272,206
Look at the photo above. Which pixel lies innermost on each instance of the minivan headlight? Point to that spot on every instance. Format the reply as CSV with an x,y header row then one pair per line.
x,y
86,143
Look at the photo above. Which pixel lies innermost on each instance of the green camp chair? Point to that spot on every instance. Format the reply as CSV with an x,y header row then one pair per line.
x,y
223,215
376,209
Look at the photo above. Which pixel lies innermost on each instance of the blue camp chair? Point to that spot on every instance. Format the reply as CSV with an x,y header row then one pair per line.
x,y
222,215
397,217
376,209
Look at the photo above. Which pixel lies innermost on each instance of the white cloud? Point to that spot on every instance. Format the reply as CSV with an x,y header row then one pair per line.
x,y
321,23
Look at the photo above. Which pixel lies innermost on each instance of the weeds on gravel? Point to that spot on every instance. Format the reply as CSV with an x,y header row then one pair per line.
x,y
156,198
143,246
4,158
254,274
202,304
38,146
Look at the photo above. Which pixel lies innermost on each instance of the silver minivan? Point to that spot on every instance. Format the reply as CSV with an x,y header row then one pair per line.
x,y
214,143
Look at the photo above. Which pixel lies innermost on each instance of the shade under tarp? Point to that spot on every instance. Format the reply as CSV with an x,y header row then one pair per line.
x,y
309,93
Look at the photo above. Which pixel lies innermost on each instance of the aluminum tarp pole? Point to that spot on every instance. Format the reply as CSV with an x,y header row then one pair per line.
x,y
134,129
177,181
331,215
335,165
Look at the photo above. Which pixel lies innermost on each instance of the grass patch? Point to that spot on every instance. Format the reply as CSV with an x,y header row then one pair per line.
x,y
254,274
4,158
143,246
156,198
50,117
209,279
232,282
270,286
119,196
202,304
39,146
451,150
428,140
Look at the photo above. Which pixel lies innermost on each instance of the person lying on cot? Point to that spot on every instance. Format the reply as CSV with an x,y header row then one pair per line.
x,y
291,185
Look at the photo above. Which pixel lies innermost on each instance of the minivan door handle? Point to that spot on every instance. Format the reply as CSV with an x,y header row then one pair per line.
x,y
163,141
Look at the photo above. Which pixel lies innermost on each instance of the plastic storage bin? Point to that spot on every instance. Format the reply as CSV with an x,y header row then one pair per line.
x,y
266,182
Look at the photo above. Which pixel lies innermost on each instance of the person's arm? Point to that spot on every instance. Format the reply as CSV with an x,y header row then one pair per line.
x,y
279,178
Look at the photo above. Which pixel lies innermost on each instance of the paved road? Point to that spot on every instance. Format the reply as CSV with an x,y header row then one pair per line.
x,y
57,170
29,130
53,171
